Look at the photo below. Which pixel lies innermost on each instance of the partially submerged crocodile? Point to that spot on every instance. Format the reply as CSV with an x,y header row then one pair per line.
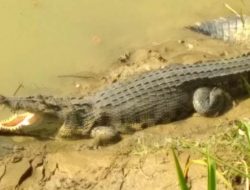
x,y
232,29
158,96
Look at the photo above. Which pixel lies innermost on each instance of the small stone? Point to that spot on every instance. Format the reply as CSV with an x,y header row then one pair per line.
x,y
125,57
181,41
62,179
162,59
224,53
146,67
190,46
38,161
18,148
17,158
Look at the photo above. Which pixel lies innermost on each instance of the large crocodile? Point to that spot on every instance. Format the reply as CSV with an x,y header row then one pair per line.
x,y
158,96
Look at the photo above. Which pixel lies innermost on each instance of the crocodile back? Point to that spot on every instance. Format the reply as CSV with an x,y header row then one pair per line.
x,y
166,93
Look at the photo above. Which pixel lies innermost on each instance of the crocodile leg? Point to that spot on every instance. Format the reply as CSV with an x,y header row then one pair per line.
x,y
77,123
104,135
76,126
73,126
210,101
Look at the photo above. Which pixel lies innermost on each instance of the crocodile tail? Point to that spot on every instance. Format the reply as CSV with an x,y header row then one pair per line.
x,y
233,29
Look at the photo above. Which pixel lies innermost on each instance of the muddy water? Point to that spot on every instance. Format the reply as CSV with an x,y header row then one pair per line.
x,y
41,39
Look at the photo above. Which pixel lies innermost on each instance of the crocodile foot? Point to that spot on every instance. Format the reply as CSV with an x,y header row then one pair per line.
x,y
104,135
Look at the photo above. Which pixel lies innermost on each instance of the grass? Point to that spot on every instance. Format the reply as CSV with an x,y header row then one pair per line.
x,y
227,160
231,152
244,125
211,173
211,168
182,181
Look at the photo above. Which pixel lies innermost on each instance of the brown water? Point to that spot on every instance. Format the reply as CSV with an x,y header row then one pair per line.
x,y
41,39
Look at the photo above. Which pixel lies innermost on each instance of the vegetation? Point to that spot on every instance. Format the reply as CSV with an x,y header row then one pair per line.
x,y
226,155
211,168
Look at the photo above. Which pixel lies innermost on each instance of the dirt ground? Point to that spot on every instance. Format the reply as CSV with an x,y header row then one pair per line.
x,y
140,161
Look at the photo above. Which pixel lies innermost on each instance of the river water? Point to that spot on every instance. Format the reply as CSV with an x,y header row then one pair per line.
x,y
41,39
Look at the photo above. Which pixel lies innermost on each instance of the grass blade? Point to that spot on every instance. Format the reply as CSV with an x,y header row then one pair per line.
x,y
181,178
245,126
211,174
247,131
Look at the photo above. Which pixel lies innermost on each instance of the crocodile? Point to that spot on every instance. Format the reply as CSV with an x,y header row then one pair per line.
x,y
158,96
229,29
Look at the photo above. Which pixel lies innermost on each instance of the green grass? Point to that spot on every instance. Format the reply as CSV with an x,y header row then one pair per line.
x,y
182,181
211,172
227,160
211,168
244,125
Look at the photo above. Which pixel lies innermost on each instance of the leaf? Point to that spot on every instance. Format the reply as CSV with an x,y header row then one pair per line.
x,y
181,178
211,174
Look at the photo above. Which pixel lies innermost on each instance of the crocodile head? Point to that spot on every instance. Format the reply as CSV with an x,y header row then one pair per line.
x,y
47,114
28,123
40,113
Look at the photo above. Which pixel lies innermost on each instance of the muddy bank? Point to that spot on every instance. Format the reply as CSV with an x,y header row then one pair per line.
x,y
132,62
141,160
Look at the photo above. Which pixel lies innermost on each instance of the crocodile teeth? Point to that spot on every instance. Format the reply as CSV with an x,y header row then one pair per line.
x,y
18,121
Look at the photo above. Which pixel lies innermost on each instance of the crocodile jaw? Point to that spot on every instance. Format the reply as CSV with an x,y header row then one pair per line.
x,y
19,122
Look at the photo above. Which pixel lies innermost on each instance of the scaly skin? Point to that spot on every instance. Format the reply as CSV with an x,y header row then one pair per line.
x,y
233,29
159,96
